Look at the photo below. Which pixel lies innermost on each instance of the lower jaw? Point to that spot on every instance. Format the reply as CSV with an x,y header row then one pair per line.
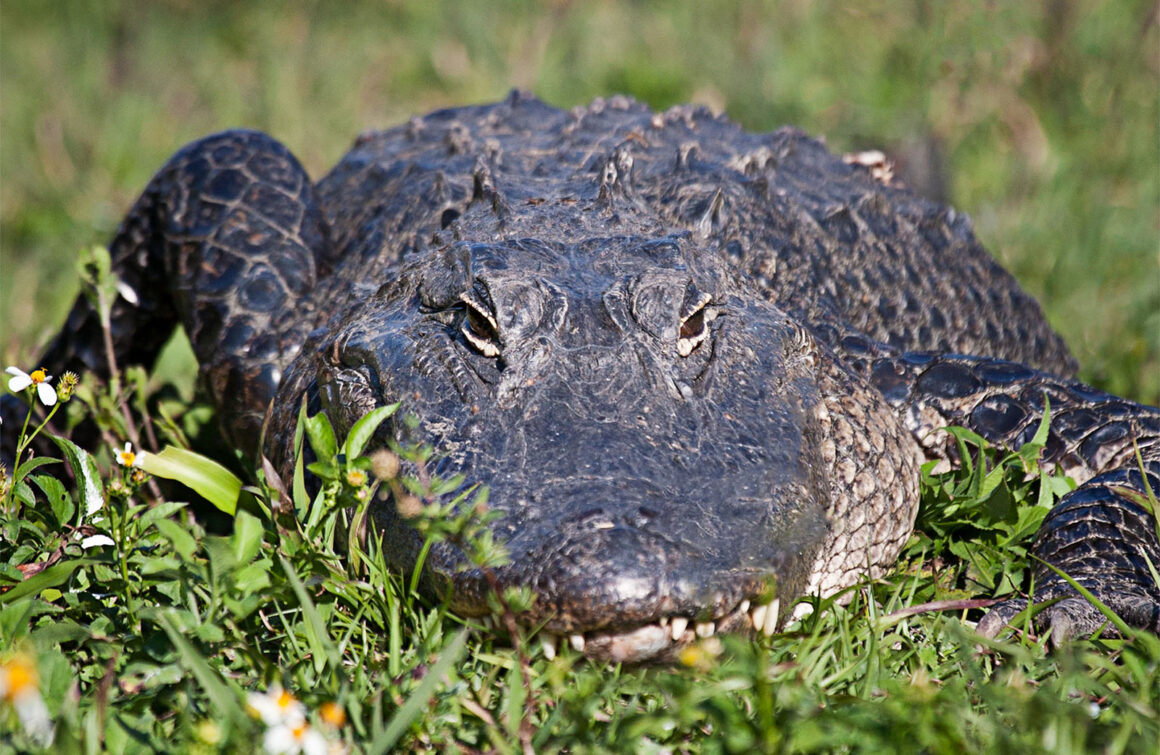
x,y
662,640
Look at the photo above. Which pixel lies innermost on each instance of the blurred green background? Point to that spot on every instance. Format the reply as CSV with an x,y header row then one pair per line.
x,y
1039,119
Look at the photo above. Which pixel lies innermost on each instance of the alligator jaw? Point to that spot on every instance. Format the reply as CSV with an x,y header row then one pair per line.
x,y
662,640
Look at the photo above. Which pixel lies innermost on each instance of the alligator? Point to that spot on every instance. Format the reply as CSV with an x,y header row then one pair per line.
x,y
697,368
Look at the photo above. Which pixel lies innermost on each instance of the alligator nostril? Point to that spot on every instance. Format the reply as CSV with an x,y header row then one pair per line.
x,y
639,518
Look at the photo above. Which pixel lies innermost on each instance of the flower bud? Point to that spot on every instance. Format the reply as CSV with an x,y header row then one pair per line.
x,y
385,464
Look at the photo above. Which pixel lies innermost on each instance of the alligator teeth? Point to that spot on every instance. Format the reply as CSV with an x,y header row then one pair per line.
x,y
764,617
548,643
757,615
677,626
577,642
802,610
771,617
664,621
704,628
744,607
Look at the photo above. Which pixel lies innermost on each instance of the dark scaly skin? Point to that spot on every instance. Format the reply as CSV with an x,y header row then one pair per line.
x,y
654,462
223,242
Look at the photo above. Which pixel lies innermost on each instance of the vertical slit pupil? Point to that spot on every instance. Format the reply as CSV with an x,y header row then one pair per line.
x,y
693,324
479,324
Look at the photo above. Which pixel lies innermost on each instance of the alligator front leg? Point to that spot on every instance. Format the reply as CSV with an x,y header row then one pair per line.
x,y
1103,534
225,240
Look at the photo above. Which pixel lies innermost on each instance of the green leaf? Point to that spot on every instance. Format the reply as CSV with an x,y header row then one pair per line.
x,y
247,537
364,429
183,542
94,267
53,576
161,511
84,468
58,498
321,435
36,461
209,479
24,494
301,499
1040,438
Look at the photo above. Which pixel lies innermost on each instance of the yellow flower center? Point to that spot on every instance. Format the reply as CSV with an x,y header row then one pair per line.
x,y
333,714
38,376
285,700
19,676
356,478
127,458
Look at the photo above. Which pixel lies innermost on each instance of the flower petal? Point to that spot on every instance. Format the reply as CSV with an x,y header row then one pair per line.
x,y
279,740
313,743
20,381
35,718
94,541
46,392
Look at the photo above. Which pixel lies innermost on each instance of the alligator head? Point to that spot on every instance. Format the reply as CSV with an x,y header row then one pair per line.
x,y
638,413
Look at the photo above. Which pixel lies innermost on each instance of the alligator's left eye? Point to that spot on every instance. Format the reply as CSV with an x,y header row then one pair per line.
x,y
695,319
479,327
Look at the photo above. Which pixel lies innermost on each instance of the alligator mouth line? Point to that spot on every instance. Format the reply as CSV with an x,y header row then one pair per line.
x,y
656,640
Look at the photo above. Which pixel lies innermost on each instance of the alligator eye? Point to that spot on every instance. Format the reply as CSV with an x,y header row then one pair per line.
x,y
695,318
479,328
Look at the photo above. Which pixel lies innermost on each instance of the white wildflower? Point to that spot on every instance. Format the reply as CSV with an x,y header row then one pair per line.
x,y
39,378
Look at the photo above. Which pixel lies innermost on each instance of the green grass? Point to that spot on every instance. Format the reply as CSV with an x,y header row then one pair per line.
x,y
156,640
1046,120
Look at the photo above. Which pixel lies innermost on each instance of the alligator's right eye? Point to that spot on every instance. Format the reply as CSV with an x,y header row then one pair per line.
x,y
479,327
695,319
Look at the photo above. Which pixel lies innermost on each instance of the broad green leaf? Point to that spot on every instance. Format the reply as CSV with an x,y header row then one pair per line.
x,y
24,494
53,576
84,468
183,542
161,511
58,498
209,479
321,435
36,461
364,429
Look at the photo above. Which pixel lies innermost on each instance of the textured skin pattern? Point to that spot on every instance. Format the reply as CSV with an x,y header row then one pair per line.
x,y
696,367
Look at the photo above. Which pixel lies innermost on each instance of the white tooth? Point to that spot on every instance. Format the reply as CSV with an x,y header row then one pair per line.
x,y
704,628
664,621
548,642
771,617
757,615
577,642
678,626
744,606
802,610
